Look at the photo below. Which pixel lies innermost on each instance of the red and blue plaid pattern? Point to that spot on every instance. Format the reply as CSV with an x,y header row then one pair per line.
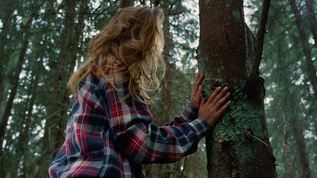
x,y
111,137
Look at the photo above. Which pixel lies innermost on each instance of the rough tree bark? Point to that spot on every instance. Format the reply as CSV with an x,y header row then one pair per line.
x,y
238,146
310,65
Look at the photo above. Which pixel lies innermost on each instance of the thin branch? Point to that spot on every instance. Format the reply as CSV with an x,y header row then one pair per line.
x,y
173,5
267,145
104,10
31,18
260,38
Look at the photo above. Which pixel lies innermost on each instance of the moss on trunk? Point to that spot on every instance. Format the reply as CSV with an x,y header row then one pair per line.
x,y
238,146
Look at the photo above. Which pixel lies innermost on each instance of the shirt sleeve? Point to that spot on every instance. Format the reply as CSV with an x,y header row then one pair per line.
x,y
189,114
141,141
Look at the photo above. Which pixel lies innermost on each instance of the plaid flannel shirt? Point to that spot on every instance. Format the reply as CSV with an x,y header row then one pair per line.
x,y
110,137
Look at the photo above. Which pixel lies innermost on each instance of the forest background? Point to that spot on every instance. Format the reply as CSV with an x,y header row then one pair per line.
x,y
43,41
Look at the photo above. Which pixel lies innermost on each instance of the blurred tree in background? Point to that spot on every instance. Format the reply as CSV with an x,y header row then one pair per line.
x,y
290,95
42,42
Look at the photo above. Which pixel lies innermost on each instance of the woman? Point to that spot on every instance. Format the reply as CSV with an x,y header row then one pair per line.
x,y
110,131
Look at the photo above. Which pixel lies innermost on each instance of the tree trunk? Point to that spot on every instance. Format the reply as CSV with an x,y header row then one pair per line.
x,y
287,157
23,133
238,146
289,90
74,42
301,147
69,42
27,120
127,3
57,111
165,111
312,19
8,107
300,140
166,83
3,39
305,45
66,41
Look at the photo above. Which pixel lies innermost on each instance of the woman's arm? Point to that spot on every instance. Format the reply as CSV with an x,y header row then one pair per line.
x,y
141,141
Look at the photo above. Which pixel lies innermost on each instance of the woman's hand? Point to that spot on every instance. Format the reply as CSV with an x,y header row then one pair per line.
x,y
195,97
215,106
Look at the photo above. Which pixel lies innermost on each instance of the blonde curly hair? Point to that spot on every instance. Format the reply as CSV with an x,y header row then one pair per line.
x,y
135,37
